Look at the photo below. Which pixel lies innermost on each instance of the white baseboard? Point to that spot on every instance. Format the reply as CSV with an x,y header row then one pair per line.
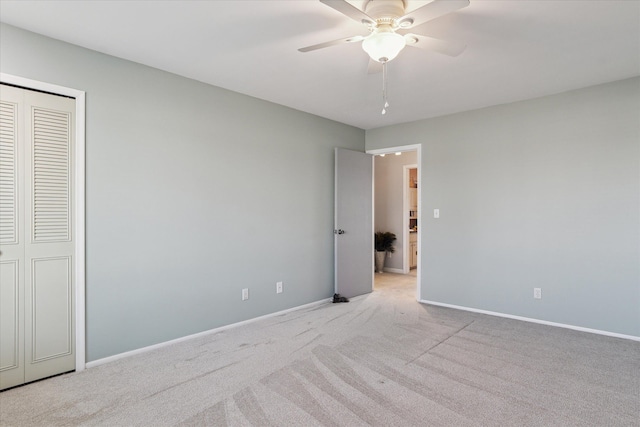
x,y
119,356
528,319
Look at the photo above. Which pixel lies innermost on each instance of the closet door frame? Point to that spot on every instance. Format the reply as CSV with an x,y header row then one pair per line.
x,y
79,210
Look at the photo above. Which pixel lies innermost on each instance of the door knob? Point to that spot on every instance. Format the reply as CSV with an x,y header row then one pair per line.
x,y
340,231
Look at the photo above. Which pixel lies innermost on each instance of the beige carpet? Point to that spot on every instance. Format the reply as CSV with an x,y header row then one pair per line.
x,y
382,359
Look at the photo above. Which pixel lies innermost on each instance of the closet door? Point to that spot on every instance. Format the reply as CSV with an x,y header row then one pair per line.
x,y
37,237
11,240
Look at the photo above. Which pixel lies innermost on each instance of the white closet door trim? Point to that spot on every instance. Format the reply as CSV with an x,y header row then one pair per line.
x,y
78,214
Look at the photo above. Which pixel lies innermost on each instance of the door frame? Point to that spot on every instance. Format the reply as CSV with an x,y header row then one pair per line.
x,y
418,149
79,209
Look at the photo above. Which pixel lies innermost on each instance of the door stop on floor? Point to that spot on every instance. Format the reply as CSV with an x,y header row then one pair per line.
x,y
338,298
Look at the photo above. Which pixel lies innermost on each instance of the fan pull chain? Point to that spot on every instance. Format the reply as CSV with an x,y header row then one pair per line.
x,y
385,103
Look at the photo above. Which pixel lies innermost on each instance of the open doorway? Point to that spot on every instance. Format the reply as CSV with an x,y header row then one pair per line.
x,y
397,210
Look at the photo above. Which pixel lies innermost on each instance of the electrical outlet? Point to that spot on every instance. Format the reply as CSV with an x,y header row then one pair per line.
x,y
245,294
278,287
537,293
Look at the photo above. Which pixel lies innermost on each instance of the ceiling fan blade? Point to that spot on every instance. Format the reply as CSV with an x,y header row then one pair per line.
x,y
428,12
429,43
331,43
374,67
351,11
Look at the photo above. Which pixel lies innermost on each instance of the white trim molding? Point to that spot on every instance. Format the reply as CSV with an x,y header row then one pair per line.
x,y
531,320
79,211
124,355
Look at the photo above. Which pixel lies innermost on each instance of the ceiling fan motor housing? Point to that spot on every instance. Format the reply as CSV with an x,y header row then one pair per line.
x,y
384,43
385,10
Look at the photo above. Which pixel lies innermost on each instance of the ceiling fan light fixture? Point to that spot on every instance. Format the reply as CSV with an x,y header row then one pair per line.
x,y
383,46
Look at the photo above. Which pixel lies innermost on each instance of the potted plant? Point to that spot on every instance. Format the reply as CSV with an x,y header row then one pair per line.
x,y
384,243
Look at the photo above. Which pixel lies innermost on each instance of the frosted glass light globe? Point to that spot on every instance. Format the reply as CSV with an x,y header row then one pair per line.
x,y
383,46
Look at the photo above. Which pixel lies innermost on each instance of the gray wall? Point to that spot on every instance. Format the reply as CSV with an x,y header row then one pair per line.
x,y
193,193
540,193
388,200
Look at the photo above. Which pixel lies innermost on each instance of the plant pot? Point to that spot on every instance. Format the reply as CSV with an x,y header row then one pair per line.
x,y
381,256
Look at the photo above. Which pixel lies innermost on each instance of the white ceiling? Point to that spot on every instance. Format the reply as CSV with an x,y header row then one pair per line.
x,y
516,49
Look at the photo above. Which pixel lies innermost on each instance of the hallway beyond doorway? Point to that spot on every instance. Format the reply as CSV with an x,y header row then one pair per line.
x,y
401,284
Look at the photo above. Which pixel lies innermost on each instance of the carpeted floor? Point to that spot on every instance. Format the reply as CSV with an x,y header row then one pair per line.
x,y
382,359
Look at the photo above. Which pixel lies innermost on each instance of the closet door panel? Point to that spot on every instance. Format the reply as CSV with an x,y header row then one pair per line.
x,y
50,320
49,296
11,238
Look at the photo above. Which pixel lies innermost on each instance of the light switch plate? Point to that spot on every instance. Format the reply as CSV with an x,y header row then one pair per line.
x,y
436,213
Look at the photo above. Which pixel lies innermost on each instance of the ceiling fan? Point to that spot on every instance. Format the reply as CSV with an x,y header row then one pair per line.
x,y
386,21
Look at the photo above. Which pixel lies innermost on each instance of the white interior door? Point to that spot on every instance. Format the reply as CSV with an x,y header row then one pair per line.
x,y
37,329
353,222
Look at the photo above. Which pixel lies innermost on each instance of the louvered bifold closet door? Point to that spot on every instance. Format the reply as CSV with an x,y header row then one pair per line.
x,y
11,240
43,200
49,313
